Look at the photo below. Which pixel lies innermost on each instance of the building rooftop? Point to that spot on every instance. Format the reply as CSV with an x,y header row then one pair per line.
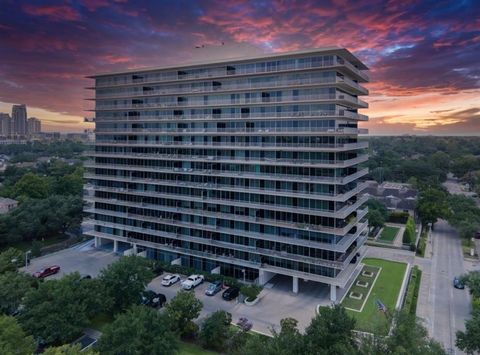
x,y
192,64
6,200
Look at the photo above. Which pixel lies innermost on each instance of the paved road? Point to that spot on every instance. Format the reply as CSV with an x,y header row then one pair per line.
x,y
450,307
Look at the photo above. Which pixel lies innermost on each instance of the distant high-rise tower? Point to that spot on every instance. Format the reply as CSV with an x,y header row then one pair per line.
x,y
5,124
34,125
19,117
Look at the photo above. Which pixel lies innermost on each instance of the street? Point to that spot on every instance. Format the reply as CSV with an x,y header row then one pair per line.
x,y
450,306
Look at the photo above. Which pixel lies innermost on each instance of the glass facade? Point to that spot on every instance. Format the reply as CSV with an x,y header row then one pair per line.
x,y
249,166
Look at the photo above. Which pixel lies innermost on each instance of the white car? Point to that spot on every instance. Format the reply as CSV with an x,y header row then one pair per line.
x,y
192,281
169,280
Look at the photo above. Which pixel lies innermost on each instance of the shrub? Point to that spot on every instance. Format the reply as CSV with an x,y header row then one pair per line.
x,y
250,291
409,234
411,297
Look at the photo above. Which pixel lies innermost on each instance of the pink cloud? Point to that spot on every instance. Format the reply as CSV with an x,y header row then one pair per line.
x,y
56,13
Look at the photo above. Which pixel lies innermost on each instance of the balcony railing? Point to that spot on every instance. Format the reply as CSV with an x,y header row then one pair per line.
x,y
340,246
232,145
235,86
275,177
341,229
240,160
239,116
228,102
173,76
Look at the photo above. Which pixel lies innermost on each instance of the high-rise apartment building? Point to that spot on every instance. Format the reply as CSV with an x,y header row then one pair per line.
x,y
5,125
248,167
34,125
19,118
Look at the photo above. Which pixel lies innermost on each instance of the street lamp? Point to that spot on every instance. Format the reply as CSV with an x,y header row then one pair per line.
x,y
243,270
26,257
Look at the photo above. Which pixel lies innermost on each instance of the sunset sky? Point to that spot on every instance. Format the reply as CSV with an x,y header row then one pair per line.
x,y
424,56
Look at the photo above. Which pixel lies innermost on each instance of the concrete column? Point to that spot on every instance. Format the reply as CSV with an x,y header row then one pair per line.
x,y
295,284
264,276
115,246
333,293
97,242
134,247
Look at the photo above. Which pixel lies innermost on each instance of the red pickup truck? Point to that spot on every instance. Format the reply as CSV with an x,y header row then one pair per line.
x,y
51,270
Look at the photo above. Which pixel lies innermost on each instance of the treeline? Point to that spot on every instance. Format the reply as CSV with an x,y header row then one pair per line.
x,y
50,201
33,150
424,160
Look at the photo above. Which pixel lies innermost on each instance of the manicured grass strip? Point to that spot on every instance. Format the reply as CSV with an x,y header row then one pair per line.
x,y
192,349
388,234
386,289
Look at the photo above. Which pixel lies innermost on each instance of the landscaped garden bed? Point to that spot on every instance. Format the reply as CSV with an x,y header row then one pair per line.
x,y
388,234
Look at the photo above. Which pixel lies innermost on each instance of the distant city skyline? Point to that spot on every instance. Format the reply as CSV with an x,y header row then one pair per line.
x,y
423,55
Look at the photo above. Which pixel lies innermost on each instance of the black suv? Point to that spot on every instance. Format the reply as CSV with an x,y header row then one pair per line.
x,y
230,293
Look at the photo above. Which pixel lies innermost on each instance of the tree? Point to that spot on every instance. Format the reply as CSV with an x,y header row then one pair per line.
x,y
375,219
472,281
215,330
57,311
32,186
140,330
432,205
181,310
469,340
11,259
69,349
13,287
410,337
13,339
330,332
125,279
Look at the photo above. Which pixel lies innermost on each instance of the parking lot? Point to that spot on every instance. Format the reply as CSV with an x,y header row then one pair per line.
x,y
277,301
82,258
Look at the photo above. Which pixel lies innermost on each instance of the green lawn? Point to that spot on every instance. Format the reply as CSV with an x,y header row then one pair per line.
x,y
192,349
353,303
388,234
386,289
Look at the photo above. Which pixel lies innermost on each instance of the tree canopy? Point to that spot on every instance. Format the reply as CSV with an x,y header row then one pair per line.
x,y
13,339
140,330
182,310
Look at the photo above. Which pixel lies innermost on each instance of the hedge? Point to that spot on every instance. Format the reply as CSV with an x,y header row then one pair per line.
x,y
411,297
398,217
409,234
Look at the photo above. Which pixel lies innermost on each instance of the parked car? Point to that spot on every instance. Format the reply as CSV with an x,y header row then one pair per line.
x,y
214,288
244,324
230,293
169,280
85,277
192,281
153,299
51,270
457,283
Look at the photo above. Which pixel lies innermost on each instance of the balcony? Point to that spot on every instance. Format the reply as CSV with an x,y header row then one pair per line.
x,y
312,147
345,99
341,246
237,160
237,116
268,177
224,72
228,86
